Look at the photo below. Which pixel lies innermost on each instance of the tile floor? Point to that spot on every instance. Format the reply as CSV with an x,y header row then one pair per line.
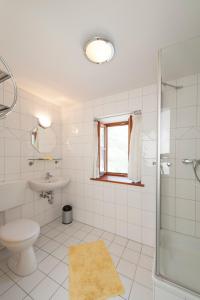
x,y
133,262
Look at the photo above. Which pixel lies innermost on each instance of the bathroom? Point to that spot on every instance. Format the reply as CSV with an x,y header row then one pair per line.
x,y
100,114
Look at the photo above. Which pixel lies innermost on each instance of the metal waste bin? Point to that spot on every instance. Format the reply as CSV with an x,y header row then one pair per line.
x,y
67,214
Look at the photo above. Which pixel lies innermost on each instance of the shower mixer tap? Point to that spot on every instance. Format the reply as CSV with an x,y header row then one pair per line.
x,y
195,164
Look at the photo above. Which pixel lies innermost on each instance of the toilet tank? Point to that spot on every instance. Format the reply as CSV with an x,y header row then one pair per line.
x,y
12,194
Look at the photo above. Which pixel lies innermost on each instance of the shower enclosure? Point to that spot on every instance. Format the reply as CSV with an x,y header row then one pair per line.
x,y
177,267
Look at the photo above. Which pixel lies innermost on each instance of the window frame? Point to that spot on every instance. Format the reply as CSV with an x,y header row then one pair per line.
x,y
106,126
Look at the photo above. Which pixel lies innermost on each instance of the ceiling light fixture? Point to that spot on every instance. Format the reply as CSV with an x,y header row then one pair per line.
x,y
99,50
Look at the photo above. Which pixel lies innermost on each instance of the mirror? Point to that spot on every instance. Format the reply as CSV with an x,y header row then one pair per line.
x,y
43,139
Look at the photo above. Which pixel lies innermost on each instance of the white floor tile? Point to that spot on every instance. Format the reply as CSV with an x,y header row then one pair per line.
x,y
120,240
4,254
131,255
42,241
144,277
66,259
71,242
13,276
146,250
45,229
80,235
115,259
13,293
50,246
60,252
107,242
61,294
5,283
60,227
86,228
61,238
4,265
97,231
140,292
108,236
29,282
52,233
59,273
48,264
44,290
127,284
146,262
116,249
91,238
40,255
65,284
134,246
126,268
70,231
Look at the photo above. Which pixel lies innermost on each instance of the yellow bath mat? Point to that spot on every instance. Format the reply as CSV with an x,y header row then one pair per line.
x,y
92,273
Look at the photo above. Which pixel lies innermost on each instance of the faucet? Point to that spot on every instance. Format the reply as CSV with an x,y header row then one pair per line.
x,y
48,176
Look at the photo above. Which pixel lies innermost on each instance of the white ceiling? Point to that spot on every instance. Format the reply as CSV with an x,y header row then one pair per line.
x,y
43,41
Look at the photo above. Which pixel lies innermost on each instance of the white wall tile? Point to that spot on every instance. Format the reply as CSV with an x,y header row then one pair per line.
x,y
116,208
16,148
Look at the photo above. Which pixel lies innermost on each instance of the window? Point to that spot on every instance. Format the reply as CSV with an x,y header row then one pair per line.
x,y
114,141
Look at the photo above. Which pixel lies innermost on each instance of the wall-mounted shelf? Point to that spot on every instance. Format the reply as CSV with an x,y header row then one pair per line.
x,y
33,160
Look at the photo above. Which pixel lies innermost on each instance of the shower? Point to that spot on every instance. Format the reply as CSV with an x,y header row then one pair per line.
x,y
177,268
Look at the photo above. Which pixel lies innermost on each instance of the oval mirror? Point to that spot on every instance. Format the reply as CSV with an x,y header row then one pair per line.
x,y
43,139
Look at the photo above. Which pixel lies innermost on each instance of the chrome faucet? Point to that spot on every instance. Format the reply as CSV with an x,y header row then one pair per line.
x,y
48,176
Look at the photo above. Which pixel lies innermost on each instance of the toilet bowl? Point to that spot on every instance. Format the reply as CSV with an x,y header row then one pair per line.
x,y
18,237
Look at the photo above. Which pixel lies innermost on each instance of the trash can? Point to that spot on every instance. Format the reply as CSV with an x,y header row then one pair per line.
x,y
67,214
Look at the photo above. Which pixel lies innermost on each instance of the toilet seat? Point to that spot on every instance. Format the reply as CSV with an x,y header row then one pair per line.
x,y
19,230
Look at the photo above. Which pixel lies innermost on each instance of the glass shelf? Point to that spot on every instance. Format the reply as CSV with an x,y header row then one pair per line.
x,y
33,160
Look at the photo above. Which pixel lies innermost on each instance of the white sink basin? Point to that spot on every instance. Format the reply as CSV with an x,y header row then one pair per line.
x,y
47,185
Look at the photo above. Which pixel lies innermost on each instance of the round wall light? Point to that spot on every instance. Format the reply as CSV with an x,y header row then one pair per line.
x,y
44,121
99,50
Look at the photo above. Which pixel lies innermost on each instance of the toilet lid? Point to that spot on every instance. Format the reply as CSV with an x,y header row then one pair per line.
x,y
19,230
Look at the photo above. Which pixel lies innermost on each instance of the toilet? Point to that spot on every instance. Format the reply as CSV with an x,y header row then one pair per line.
x,y
18,236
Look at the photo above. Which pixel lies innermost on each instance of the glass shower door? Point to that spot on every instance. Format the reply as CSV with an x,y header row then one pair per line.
x,y
178,226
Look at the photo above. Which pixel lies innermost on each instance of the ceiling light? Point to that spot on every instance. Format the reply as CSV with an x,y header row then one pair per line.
x,y
99,50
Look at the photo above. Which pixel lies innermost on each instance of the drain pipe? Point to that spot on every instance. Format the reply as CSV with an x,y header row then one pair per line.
x,y
47,195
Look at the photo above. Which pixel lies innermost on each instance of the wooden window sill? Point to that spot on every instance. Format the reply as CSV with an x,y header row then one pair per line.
x,y
117,179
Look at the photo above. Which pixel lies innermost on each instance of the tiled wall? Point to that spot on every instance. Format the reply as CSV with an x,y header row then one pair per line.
x,y
126,210
180,189
15,149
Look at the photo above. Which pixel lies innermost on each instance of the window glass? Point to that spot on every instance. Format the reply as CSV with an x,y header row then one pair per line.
x,y
117,149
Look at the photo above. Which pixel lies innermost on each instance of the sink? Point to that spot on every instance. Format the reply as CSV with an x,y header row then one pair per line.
x,y
47,185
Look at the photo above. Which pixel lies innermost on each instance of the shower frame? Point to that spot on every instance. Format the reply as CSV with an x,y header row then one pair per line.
x,y
157,274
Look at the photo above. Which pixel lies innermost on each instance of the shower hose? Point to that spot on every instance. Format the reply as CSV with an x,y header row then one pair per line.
x,y
196,164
